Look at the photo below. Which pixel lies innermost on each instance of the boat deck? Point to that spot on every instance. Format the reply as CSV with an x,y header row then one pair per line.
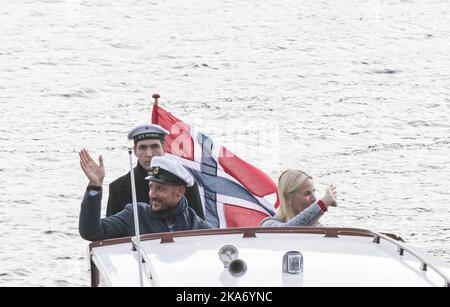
x,y
328,260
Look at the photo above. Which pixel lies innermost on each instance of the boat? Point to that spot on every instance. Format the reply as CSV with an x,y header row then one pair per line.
x,y
265,257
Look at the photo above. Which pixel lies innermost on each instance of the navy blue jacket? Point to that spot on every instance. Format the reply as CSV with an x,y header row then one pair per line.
x,y
92,228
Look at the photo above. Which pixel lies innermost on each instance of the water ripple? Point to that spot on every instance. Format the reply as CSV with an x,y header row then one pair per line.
x,y
355,92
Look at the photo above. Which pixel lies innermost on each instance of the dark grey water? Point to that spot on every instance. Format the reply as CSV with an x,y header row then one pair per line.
x,y
355,92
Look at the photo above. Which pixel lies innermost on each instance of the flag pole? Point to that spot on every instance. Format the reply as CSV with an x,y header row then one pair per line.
x,y
136,219
155,109
156,97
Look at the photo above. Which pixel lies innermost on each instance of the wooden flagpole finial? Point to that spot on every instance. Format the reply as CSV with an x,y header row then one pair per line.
x,y
156,97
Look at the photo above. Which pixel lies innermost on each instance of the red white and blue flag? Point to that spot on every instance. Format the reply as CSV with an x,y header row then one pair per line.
x,y
231,189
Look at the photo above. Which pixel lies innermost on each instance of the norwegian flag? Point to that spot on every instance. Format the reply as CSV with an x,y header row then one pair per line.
x,y
231,189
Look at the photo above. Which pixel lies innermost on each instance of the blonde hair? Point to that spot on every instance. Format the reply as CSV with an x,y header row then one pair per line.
x,y
290,180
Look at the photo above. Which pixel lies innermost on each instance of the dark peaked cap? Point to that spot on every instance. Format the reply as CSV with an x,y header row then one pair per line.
x,y
147,131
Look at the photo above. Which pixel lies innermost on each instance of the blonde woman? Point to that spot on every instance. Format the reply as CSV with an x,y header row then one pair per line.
x,y
298,203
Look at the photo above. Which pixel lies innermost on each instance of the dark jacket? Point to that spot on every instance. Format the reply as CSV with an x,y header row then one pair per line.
x,y
92,228
120,193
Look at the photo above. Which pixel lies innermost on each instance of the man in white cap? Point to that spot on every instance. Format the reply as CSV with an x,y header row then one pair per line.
x,y
149,142
168,209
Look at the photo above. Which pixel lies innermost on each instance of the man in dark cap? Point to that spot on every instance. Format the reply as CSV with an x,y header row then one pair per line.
x,y
168,209
149,142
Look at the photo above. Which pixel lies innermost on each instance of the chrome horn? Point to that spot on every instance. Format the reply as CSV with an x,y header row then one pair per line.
x,y
228,254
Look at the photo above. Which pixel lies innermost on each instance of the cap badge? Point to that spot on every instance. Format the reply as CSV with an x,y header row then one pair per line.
x,y
155,170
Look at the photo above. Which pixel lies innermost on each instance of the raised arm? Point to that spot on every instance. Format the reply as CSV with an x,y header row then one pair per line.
x,y
91,227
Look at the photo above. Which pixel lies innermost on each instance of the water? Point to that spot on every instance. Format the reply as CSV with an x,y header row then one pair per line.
x,y
354,92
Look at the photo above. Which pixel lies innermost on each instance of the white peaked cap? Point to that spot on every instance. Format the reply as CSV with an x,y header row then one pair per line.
x,y
168,171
